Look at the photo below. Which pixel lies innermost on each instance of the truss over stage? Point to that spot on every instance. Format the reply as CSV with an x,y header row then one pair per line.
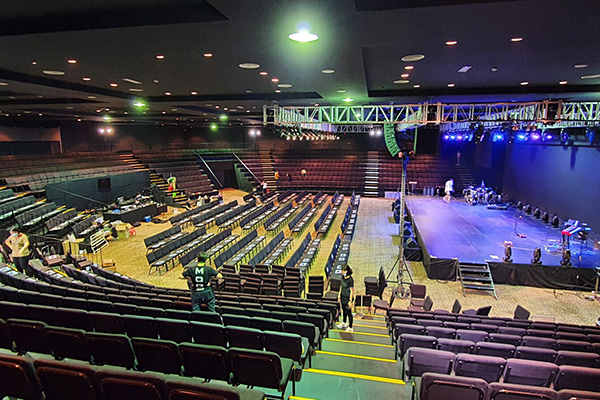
x,y
553,113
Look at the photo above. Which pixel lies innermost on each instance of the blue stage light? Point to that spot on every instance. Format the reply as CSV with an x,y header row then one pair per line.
x,y
522,137
535,136
446,137
459,137
452,137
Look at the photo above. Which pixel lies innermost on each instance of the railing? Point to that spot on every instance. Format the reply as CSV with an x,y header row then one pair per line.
x,y
210,170
245,166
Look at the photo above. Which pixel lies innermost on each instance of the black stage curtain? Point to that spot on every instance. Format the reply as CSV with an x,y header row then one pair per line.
x,y
441,268
545,276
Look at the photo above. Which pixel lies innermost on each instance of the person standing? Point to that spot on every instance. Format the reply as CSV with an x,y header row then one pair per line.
x,y
449,189
18,242
347,298
265,187
303,173
277,178
199,277
458,158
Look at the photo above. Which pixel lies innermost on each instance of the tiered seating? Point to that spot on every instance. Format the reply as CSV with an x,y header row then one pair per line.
x,y
59,225
186,217
10,209
34,220
85,227
252,160
32,173
426,170
117,277
494,349
278,219
182,165
324,170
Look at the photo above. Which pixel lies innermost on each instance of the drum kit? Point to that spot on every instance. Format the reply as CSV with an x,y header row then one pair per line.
x,y
481,195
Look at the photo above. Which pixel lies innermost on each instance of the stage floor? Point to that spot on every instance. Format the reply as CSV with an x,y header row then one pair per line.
x,y
476,234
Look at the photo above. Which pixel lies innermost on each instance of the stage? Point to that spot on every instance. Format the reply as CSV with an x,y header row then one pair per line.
x,y
475,234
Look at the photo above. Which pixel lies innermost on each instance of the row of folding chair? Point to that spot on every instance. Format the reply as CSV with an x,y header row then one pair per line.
x,y
43,378
161,236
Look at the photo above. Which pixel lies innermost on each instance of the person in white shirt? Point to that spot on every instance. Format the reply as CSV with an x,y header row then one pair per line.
x,y
449,189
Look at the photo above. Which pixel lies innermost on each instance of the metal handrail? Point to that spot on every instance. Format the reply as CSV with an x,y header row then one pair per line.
x,y
210,170
245,166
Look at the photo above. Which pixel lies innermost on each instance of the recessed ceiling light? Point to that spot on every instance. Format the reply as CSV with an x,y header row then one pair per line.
x,y
590,76
464,69
409,67
563,82
160,57
277,90
341,90
136,90
225,108
580,65
34,63
494,69
451,85
167,93
263,73
78,119
401,81
91,97
451,42
316,104
348,100
3,84
416,86
274,80
524,83
53,73
404,75
72,61
413,57
284,85
132,81
173,109
303,36
516,39
240,107
86,78
217,106
208,55
114,85
328,71
248,91
249,65
155,81
193,93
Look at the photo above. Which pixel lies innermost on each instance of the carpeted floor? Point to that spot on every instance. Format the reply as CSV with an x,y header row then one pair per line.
x,y
375,245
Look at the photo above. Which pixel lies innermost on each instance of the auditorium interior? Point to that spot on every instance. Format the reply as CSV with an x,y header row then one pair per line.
x,y
400,198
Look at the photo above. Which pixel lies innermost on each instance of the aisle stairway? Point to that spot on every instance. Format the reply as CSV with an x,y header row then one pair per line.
x,y
266,161
372,174
354,365
477,277
465,178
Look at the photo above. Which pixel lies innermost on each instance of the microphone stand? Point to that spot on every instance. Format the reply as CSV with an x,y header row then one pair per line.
x,y
517,218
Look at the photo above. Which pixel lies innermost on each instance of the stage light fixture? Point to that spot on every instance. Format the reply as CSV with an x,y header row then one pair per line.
x,y
537,256
566,258
545,217
527,209
507,253
555,221
537,213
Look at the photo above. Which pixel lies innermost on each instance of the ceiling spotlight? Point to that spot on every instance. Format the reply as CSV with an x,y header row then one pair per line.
x,y
451,85
303,36
114,85
413,57
53,73
404,75
193,93
284,85
139,104
275,80
208,55
464,69
263,73
135,90
160,57
223,117
91,97
78,119
451,42
167,93
106,118
516,39
595,76
34,63
328,71
249,65
155,81
401,81
378,132
3,84
416,86
341,90
213,127
409,67
494,69
129,80
348,100
563,82
72,61
101,130
86,78
277,90
580,65
524,83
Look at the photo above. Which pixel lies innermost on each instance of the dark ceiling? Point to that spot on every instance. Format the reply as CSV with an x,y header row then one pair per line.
x,y
363,41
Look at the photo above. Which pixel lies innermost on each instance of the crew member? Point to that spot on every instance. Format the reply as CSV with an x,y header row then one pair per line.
x,y
18,242
277,177
449,189
347,298
199,277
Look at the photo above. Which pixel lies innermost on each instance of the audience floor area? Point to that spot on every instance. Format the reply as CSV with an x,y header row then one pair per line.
x,y
375,245
476,233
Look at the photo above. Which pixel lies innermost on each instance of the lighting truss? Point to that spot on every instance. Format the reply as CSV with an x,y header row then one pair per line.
x,y
549,112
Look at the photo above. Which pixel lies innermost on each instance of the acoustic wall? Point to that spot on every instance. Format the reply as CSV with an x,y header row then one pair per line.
x,y
102,189
560,180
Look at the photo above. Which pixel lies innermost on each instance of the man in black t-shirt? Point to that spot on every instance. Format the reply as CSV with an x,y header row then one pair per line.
x,y
199,277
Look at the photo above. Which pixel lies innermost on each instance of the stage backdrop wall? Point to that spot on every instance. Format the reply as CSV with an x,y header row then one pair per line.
x,y
560,180
67,193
